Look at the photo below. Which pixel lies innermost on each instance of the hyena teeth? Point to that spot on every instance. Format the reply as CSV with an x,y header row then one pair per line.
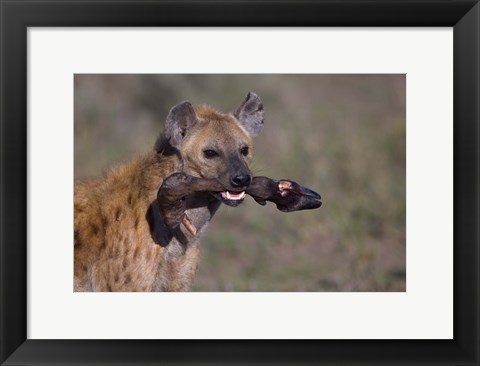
x,y
233,196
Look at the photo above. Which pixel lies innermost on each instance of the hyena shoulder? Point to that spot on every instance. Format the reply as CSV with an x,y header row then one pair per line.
x,y
112,235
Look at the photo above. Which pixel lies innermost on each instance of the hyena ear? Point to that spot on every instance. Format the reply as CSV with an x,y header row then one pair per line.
x,y
180,118
250,114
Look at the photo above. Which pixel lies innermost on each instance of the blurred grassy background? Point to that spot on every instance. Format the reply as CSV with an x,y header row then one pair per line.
x,y
341,135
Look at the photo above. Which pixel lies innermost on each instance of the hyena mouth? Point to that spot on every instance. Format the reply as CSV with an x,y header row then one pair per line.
x,y
231,198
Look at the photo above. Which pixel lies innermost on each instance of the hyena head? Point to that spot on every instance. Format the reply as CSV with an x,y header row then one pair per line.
x,y
217,145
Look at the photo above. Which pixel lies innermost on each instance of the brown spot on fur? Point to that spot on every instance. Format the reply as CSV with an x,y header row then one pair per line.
x,y
76,243
129,199
104,222
94,229
128,279
118,211
116,278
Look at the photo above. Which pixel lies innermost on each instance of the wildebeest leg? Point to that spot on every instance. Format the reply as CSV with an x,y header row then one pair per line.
x,y
286,194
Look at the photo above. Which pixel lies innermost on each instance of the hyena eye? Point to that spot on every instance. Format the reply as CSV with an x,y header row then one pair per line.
x,y
244,151
210,153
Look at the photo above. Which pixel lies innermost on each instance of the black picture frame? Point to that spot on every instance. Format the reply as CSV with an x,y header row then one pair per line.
x,y
17,15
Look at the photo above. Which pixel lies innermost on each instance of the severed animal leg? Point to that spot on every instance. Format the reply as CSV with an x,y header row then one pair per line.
x,y
286,194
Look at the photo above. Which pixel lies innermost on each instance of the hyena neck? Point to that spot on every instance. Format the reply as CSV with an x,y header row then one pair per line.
x,y
152,170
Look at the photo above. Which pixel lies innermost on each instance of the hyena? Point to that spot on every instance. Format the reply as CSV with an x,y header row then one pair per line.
x,y
121,242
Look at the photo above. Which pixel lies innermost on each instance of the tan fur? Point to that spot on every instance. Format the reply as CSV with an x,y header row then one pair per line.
x,y
120,243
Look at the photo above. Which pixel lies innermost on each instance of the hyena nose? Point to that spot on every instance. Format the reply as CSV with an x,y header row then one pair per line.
x,y
241,180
